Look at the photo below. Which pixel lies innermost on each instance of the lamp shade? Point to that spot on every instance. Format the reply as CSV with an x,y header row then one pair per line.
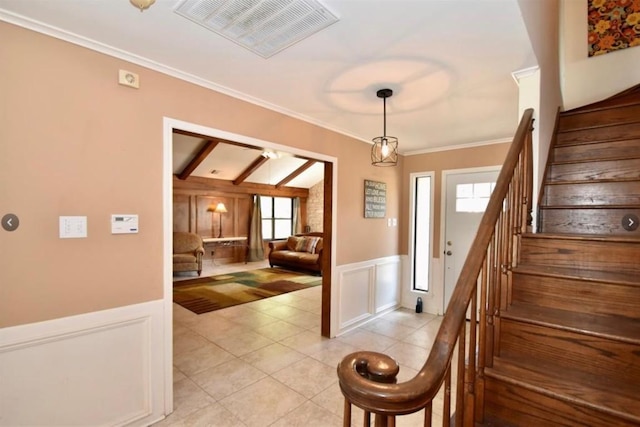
x,y
220,208
142,4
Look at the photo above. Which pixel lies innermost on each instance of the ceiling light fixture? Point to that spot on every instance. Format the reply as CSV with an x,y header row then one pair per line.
x,y
142,4
385,148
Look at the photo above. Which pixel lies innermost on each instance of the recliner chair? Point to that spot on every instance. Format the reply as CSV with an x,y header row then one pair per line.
x,y
188,250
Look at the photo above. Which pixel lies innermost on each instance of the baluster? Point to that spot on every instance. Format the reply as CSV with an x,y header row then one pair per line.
x,y
428,415
446,406
346,420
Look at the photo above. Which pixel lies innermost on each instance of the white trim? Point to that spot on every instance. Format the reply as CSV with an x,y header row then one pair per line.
x,y
167,256
524,73
459,146
58,33
365,276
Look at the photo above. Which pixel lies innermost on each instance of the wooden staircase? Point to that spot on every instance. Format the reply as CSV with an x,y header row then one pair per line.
x,y
567,350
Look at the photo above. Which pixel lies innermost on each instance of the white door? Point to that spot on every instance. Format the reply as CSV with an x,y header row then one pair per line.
x,y
466,197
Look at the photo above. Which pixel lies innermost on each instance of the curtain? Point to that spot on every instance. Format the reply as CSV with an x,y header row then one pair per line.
x,y
297,219
256,247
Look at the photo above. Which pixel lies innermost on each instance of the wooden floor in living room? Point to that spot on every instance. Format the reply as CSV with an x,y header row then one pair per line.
x,y
265,363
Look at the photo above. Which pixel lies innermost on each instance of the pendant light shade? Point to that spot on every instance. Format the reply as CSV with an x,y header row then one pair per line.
x,y
142,4
384,151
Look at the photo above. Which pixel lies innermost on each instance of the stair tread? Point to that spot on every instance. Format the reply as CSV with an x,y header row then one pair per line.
x,y
572,236
617,328
594,141
617,277
615,398
550,181
591,160
590,206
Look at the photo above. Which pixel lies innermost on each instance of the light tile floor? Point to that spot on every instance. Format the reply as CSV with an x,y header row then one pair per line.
x,y
265,364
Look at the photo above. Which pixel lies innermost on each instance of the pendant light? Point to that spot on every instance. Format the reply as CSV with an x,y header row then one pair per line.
x,y
384,151
142,4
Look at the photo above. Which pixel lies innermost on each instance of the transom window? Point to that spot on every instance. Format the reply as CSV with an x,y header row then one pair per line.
x,y
473,197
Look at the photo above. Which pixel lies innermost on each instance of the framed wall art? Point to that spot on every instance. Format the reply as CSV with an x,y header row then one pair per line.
x,y
375,199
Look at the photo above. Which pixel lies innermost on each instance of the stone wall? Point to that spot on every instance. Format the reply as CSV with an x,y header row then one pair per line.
x,y
315,207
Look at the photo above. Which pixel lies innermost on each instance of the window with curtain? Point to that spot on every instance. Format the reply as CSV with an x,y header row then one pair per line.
x,y
277,217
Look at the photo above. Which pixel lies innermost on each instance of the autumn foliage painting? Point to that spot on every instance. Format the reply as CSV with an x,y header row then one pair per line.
x,y
613,25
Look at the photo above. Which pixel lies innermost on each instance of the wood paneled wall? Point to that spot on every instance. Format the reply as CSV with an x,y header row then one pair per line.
x,y
193,196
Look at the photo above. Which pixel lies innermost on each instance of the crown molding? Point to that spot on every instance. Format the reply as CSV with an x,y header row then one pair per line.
x,y
525,72
458,147
94,45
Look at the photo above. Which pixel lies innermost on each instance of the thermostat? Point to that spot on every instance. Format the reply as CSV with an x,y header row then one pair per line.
x,y
124,224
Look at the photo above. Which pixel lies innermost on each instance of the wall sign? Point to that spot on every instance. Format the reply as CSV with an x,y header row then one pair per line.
x,y
375,199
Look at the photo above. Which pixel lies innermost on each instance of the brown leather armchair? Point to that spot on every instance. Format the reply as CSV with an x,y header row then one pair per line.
x,y
187,252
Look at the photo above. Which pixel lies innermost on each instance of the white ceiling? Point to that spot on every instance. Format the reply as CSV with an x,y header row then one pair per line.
x,y
449,62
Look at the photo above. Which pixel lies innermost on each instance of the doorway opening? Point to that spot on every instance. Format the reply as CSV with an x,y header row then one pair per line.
x,y
328,321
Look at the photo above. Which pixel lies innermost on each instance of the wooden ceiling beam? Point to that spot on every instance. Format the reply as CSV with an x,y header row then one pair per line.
x,y
250,169
199,158
225,141
295,173
207,186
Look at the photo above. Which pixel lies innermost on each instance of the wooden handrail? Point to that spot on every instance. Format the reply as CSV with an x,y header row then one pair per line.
x,y
367,379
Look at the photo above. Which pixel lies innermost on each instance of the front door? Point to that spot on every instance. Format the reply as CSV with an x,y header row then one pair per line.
x,y
466,197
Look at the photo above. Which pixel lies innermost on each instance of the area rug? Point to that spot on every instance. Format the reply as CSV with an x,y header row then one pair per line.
x,y
206,294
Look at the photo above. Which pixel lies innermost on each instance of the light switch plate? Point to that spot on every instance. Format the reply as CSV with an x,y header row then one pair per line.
x,y
73,227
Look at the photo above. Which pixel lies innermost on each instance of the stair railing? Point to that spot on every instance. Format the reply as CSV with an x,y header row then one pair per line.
x,y
462,349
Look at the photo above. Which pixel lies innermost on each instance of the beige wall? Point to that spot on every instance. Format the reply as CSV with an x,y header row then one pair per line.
x,y
586,80
486,155
74,142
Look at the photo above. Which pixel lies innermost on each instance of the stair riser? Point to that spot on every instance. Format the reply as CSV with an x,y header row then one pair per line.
x,y
576,295
611,360
523,407
588,221
614,116
590,255
625,193
608,133
613,169
597,151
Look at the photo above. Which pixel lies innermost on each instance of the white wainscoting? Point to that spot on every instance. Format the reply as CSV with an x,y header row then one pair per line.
x,y
366,290
96,369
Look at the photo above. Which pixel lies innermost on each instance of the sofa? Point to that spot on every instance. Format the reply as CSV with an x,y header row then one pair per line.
x,y
187,252
299,252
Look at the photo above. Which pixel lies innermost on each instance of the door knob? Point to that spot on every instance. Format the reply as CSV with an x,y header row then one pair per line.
x,y
449,253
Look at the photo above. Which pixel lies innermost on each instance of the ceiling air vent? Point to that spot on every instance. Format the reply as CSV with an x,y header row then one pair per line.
x,y
265,27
